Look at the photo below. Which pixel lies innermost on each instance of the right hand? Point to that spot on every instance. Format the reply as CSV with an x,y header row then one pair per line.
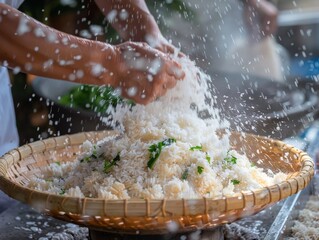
x,y
143,73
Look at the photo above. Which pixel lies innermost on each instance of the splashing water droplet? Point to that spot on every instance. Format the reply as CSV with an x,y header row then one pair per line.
x,y
48,64
23,26
38,32
155,66
51,37
28,66
117,91
97,69
72,77
172,226
123,14
151,40
77,57
16,70
71,3
79,74
65,41
149,77
96,30
111,16
132,91
85,34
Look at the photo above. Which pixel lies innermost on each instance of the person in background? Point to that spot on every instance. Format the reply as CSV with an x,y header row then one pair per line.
x,y
140,68
230,36
262,12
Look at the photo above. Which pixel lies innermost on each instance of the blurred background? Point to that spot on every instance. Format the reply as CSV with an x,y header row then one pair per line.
x,y
202,29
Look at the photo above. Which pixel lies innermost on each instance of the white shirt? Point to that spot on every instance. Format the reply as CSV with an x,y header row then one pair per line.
x,y
9,138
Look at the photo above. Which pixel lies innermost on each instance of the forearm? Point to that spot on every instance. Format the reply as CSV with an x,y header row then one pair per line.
x,y
131,18
32,47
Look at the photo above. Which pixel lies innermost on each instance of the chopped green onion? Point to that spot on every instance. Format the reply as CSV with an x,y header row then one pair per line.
x,y
94,155
109,164
196,148
200,169
200,148
86,159
94,152
235,181
185,174
208,158
156,149
230,158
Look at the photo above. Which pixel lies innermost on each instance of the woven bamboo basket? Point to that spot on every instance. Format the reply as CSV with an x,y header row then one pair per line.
x,y
151,216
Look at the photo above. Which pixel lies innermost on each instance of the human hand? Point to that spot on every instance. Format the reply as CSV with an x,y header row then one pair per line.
x,y
143,73
260,17
134,22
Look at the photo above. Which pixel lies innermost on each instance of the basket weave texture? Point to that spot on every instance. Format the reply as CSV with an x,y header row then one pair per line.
x,y
148,215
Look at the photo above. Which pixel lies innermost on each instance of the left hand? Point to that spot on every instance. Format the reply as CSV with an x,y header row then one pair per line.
x,y
143,73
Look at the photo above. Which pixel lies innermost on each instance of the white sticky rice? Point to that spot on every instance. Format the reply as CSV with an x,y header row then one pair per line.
x,y
197,163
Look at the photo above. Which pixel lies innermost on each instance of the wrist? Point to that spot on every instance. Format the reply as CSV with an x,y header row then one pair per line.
x,y
100,64
115,65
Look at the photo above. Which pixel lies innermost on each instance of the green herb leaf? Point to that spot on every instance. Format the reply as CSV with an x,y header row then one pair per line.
x,y
94,152
200,169
109,164
230,158
235,181
94,155
196,148
62,191
58,163
86,159
185,174
93,98
208,158
168,142
156,149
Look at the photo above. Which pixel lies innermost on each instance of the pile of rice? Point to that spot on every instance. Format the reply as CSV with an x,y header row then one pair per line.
x,y
307,225
193,161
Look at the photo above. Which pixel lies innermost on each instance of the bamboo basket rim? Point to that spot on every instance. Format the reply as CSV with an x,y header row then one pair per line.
x,y
86,206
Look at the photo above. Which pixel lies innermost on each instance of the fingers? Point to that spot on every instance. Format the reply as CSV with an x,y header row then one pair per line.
x,y
170,49
174,69
166,47
144,92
